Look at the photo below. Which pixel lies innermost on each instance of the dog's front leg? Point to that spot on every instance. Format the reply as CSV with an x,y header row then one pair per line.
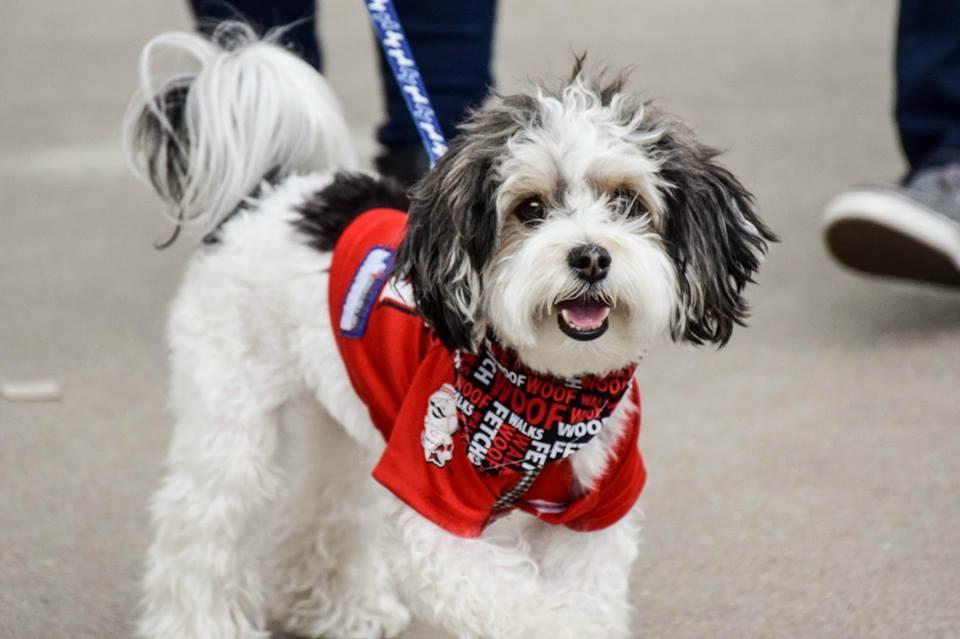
x,y
542,583
591,570
203,575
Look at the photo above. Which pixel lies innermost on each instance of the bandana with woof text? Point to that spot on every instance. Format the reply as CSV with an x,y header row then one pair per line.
x,y
512,418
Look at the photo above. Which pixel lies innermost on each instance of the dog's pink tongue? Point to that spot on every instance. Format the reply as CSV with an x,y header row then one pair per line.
x,y
585,315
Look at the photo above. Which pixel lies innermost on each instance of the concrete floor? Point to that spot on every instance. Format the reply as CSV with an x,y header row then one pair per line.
x,y
803,481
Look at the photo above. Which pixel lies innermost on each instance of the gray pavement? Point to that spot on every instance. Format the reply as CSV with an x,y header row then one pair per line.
x,y
803,482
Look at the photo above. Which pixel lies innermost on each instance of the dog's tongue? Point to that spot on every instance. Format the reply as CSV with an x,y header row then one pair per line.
x,y
584,315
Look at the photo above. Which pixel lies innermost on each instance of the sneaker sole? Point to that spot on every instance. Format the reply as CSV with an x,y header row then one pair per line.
x,y
892,236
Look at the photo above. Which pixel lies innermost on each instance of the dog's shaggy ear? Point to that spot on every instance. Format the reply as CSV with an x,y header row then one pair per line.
x,y
451,230
453,224
713,235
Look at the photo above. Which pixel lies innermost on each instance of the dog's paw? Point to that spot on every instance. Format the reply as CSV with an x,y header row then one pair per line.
x,y
384,618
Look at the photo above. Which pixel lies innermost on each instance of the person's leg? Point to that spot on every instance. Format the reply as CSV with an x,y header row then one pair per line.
x,y
301,37
452,43
928,82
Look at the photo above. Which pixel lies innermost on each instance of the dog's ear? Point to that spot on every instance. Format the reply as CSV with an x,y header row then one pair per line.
x,y
713,235
452,226
451,231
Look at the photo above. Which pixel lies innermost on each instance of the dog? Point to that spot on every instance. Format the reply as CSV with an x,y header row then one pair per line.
x,y
475,464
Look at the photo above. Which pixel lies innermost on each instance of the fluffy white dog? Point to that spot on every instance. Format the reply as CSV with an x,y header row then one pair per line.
x,y
562,234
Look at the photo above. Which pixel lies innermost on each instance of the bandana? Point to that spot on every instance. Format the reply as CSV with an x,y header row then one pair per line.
x,y
472,437
514,418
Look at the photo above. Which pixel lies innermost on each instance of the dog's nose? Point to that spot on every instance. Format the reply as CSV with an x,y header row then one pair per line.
x,y
590,261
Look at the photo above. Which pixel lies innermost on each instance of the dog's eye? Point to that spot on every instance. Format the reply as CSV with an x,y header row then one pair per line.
x,y
628,202
625,200
531,210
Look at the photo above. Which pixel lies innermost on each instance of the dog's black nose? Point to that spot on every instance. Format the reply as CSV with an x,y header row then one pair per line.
x,y
590,261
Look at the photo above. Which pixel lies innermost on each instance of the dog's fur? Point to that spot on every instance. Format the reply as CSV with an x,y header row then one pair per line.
x,y
268,510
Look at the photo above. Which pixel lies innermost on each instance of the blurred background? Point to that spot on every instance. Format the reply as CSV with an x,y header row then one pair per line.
x,y
803,481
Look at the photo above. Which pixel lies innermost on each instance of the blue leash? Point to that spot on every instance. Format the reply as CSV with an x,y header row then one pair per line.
x,y
398,54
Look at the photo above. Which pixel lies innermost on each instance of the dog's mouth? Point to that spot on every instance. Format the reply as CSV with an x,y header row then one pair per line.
x,y
583,318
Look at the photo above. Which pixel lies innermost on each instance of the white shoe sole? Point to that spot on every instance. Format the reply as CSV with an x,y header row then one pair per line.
x,y
893,236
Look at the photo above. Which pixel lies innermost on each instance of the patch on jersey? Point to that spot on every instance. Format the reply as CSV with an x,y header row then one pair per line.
x,y
439,425
364,289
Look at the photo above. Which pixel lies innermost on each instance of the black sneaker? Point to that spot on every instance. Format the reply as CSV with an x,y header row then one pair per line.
x,y
909,231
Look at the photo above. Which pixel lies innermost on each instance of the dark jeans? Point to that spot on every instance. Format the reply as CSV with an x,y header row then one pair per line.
x,y
451,39
928,82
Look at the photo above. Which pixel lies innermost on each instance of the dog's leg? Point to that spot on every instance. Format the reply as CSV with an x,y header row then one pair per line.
x,y
540,583
329,570
590,571
203,575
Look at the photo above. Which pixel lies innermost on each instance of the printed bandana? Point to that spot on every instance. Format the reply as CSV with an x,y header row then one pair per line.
x,y
516,419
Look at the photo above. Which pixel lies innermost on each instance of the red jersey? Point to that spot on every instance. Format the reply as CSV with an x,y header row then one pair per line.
x,y
470,437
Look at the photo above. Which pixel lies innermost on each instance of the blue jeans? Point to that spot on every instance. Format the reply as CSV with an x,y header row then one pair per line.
x,y
452,41
928,82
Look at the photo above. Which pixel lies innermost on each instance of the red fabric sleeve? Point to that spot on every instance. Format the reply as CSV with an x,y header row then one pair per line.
x,y
453,497
620,487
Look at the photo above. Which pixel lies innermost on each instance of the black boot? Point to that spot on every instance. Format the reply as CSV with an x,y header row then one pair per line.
x,y
405,164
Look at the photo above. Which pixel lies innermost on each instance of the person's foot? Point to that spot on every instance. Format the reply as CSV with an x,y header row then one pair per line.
x,y
909,231
405,164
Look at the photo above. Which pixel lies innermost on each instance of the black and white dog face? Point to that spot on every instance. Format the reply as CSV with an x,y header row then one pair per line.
x,y
580,226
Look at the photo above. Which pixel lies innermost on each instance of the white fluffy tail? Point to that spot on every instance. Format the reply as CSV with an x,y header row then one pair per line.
x,y
233,110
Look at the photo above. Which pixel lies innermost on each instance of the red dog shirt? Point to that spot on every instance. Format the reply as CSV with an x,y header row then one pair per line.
x,y
470,437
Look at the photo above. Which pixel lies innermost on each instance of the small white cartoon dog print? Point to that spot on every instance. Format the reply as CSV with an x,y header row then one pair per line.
x,y
439,424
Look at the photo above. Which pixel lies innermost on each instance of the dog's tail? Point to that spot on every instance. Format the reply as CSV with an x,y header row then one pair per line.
x,y
213,117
